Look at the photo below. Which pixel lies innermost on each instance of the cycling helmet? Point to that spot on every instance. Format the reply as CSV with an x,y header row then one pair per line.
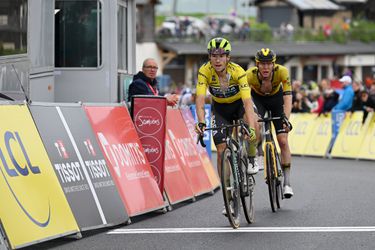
x,y
219,45
265,55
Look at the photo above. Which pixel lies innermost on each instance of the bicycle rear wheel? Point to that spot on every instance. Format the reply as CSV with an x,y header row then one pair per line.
x,y
230,190
271,178
247,191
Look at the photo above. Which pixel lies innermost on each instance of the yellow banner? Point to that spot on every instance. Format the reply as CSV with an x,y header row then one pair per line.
x,y
367,150
33,205
303,125
350,137
320,138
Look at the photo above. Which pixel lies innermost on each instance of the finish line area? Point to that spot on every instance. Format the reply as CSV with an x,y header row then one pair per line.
x,y
243,230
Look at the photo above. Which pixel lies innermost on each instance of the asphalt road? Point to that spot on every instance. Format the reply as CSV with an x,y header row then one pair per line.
x,y
333,208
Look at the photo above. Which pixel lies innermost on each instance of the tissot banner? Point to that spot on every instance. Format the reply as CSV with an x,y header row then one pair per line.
x,y
33,207
128,163
80,165
205,159
187,152
148,113
367,149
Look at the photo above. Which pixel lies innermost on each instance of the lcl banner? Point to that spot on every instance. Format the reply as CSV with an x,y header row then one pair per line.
x,y
128,163
33,206
187,153
148,114
205,159
80,165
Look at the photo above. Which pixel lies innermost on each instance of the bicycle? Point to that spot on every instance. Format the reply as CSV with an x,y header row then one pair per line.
x,y
236,183
272,163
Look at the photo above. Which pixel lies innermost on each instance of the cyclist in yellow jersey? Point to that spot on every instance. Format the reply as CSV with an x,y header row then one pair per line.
x,y
231,99
271,90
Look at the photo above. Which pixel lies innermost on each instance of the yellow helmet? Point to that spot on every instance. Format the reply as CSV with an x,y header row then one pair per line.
x,y
219,45
265,55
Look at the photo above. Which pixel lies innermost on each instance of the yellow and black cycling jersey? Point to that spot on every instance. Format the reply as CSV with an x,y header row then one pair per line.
x,y
238,87
280,77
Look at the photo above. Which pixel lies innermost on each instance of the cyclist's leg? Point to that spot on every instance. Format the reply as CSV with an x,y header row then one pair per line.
x,y
219,118
257,149
276,106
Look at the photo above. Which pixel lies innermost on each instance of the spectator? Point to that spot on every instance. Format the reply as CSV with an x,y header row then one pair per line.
x,y
301,104
145,83
368,104
330,96
186,98
346,98
357,102
245,31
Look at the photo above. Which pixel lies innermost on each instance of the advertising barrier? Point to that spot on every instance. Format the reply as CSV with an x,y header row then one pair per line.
x,y
206,161
303,125
176,184
128,163
187,153
207,134
33,206
367,149
318,144
148,114
349,139
79,165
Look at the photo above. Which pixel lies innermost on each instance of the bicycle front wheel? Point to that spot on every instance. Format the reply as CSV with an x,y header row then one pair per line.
x,y
271,177
247,191
230,190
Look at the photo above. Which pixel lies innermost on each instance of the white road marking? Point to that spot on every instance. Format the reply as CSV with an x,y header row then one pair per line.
x,y
241,230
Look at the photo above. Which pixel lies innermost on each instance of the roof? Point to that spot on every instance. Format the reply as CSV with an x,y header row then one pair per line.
x,y
248,49
304,5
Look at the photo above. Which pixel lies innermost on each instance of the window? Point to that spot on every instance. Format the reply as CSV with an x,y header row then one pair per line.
x,y
77,33
324,72
13,26
293,73
122,36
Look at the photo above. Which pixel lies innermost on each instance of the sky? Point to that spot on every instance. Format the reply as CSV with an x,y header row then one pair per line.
x,y
205,6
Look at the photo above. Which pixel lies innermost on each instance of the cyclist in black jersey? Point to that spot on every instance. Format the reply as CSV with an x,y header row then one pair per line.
x,y
271,90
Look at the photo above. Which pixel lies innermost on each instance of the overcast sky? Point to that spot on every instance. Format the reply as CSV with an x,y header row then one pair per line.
x,y
205,6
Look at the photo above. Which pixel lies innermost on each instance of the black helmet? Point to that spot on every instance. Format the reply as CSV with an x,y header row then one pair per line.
x,y
265,55
219,45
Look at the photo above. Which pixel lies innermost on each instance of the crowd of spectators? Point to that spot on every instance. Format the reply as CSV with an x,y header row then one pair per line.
x,y
322,98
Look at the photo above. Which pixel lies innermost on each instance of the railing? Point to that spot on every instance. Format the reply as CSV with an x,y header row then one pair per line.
x,y
273,35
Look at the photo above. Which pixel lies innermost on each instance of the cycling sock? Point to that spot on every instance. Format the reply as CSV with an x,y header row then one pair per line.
x,y
252,150
286,172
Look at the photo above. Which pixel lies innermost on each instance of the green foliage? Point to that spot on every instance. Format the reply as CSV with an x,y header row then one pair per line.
x,y
362,30
261,32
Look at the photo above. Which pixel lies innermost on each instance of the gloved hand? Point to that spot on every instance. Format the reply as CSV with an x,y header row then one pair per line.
x,y
200,127
251,136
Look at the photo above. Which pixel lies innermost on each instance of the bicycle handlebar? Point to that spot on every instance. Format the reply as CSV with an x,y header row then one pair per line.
x,y
283,118
228,126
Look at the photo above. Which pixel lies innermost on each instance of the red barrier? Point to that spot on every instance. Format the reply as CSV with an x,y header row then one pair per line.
x,y
205,159
176,184
128,163
187,153
148,113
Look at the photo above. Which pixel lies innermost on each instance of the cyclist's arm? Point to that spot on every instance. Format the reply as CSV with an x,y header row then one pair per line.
x,y
287,91
246,98
200,97
249,112
287,105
